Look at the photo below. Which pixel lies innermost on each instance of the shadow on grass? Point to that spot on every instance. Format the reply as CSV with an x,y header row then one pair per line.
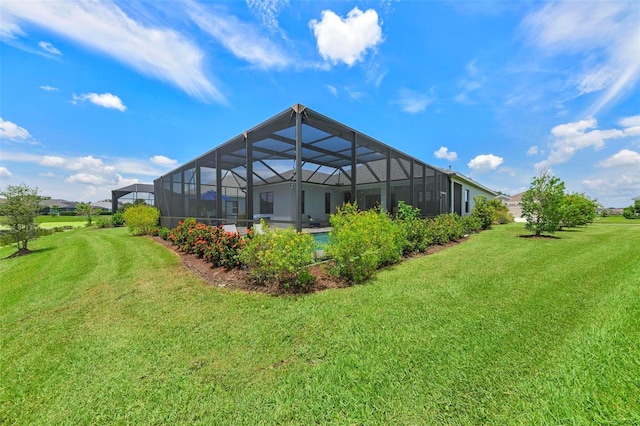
x,y
26,252
539,237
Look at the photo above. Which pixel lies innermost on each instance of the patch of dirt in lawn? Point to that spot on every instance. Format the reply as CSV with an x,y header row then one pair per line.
x,y
238,279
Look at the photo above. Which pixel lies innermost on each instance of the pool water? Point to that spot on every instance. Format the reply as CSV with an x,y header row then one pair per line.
x,y
321,239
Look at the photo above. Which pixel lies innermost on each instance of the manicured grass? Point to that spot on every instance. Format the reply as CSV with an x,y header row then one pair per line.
x,y
100,327
59,219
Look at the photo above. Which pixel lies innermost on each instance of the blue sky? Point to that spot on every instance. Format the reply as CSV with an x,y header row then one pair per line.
x,y
96,95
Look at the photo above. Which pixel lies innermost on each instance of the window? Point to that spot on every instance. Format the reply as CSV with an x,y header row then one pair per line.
x,y
327,202
466,201
266,203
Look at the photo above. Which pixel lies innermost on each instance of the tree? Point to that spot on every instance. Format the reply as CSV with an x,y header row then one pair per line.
x,y
542,204
20,210
54,210
632,212
577,210
86,209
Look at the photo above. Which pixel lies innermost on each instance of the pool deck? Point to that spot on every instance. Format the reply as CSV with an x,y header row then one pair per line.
x,y
316,230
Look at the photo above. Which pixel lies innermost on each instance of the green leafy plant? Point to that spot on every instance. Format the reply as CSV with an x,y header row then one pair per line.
x,y
117,219
102,222
414,229
86,210
19,211
542,204
632,212
140,219
280,256
363,241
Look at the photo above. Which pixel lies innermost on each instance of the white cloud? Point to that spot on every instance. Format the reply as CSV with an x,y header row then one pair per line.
x,y
4,172
573,137
444,153
106,100
162,160
605,34
633,121
411,101
242,39
346,40
12,131
52,161
88,178
625,185
472,82
533,150
102,26
49,88
332,90
624,158
267,11
49,47
485,162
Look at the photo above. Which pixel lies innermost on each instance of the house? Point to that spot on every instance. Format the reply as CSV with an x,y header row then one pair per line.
x,y
514,204
57,205
300,164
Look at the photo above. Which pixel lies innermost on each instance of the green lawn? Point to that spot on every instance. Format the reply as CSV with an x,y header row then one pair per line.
x,y
100,327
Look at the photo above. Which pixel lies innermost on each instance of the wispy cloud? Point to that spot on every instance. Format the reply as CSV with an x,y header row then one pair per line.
x,y
106,100
102,26
572,137
49,88
472,82
240,38
49,48
267,11
332,90
13,132
601,36
346,40
4,172
411,101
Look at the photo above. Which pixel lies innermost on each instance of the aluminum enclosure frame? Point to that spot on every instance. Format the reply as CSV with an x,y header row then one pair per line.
x,y
298,150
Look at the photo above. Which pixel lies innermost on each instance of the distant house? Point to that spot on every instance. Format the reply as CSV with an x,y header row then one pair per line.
x,y
61,205
514,204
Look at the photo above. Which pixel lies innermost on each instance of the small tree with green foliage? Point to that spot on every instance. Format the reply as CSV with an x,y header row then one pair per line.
x,y
141,218
577,210
87,210
632,212
19,212
490,212
542,204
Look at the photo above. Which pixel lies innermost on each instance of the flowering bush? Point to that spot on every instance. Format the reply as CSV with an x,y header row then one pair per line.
x,y
212,243
280,256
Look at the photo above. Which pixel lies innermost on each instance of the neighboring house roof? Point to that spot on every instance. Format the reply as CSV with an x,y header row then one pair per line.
x,y
62,204
104,205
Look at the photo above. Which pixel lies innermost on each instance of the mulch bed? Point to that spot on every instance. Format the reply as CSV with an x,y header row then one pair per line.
x,y
238,279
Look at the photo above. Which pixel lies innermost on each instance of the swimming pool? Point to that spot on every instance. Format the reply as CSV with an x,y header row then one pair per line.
x,y
320,239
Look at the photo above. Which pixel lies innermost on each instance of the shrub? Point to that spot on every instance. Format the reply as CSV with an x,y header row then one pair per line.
x,y
117,219
445,228
66,213
163,233
279,256
633,211
413,229
140,219
471,224
102,222
363,241
212,243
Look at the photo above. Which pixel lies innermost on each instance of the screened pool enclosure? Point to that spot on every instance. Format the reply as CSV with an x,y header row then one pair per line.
x,y
296,169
